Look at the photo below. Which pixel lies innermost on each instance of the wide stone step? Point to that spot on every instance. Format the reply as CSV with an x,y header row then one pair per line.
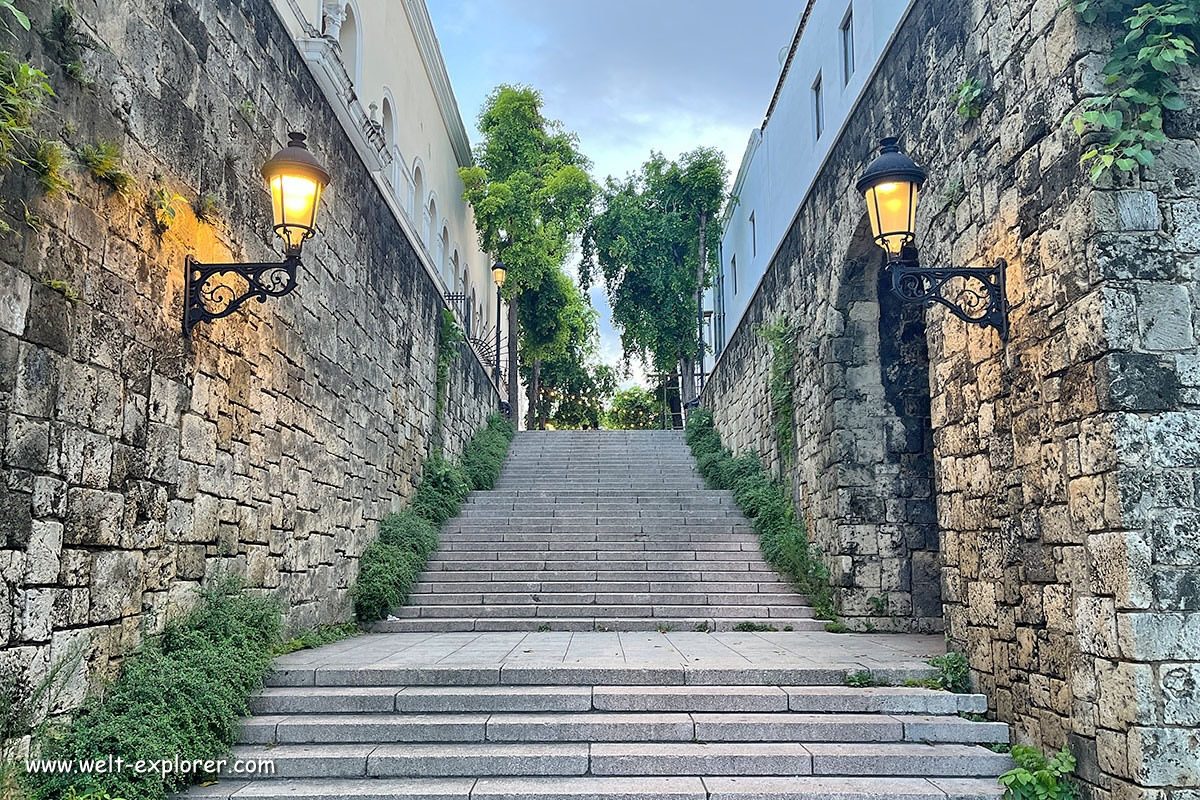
x,y
448,561
659,554
720,600
565,526
606,539
431,585
632,758
789,758
589,623
467,571
569,546
491,699
555,610
608,788
615,673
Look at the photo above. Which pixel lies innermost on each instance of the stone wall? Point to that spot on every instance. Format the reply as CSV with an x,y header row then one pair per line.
x,y
136,461
1065,463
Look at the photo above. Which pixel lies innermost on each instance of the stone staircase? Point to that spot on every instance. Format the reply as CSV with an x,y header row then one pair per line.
x,y
465,699
600,530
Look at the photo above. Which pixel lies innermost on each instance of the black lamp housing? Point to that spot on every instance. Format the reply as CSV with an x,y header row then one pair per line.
x,y
890,185
296,180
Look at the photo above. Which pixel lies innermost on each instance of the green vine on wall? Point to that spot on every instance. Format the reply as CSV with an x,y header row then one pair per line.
x,y
780,336
450,337
1156,46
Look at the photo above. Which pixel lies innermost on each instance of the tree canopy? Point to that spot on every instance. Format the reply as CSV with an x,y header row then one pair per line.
x,y
647,245
529,187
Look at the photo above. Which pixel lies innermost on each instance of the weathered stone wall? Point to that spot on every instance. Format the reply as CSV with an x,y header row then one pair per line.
x,y
1065,463
137,462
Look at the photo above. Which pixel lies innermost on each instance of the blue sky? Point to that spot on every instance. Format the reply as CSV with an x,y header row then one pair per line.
x,y
628,76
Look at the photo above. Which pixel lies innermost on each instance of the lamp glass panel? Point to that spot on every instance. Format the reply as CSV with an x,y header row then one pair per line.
x,y
892,208
498,275
295,200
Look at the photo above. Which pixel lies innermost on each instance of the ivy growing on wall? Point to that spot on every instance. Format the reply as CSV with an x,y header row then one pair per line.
x,y
448,341
780,336
1155,46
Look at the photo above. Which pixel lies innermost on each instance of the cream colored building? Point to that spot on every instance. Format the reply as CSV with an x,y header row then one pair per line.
x,y
379,64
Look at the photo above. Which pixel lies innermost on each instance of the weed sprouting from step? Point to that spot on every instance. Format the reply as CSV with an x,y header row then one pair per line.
x,y
836,627
1037,777
319,636
543,629
754,627
703,627
862,679
664,629
954,673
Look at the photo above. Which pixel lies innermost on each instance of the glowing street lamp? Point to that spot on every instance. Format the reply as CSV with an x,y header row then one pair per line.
x,y
296,181
891,186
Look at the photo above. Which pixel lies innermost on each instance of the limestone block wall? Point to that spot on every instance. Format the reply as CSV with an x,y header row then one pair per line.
x,y
136,462
1065,462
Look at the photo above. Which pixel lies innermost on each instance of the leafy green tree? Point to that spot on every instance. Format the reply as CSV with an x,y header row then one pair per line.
x,y
651,245
531,194
558,326
635,408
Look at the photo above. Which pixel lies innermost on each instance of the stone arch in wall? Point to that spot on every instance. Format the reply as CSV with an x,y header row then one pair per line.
x,y
884,527
349,40
443,249
416,205
431,220
388,120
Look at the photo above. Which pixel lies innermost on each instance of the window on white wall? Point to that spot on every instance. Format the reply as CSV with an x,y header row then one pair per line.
x,y
733,272
818,107
848,46
753,236
348,42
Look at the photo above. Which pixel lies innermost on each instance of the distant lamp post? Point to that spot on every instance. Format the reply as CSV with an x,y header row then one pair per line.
x,y
296,180
891,185
499,273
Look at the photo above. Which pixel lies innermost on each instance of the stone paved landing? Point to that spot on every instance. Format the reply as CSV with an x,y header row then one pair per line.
x,y
746,650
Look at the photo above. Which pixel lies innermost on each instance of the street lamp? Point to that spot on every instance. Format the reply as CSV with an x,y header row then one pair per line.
x,y
890,186
296,180
499,272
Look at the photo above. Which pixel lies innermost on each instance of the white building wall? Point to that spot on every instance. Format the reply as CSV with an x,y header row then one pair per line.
x,y
783,157
392,62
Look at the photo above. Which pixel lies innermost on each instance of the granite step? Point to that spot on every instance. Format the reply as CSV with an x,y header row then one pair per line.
x,y
593,623
489,699
608,788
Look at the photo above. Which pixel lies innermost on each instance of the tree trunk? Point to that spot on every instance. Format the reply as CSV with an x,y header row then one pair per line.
x,y
514,399
674,403
687,372
535,404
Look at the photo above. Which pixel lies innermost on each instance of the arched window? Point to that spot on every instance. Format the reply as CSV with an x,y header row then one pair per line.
x,y
430,222
415,203
350,42
453,271
389,124
471,310
443,246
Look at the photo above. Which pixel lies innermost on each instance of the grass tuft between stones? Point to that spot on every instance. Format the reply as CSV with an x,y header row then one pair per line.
x,y
764,501
390,565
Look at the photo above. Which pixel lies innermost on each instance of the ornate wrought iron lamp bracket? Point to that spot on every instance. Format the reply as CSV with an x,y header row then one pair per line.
x,y
981,297
213,291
